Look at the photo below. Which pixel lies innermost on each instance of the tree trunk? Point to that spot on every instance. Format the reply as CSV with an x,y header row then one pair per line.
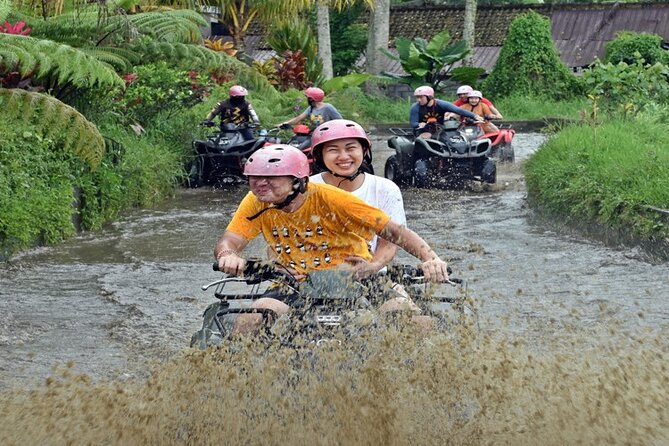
x,y
378,36
324,47
469,29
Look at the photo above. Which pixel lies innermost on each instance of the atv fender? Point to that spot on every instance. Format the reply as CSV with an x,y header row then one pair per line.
x,y
404,148
508,135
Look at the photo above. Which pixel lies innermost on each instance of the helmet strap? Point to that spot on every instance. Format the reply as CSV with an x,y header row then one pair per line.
x,y
299,187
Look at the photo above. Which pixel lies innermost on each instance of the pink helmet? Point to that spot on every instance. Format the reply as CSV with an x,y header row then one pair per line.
x,y
425,90
339,129
315,93
462,89
277,160
475,94
238,90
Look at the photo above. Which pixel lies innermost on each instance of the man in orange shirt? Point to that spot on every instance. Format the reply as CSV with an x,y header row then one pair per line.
x,y
310,226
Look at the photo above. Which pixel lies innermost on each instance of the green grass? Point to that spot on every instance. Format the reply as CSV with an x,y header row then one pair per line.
x,y
611,174
534,108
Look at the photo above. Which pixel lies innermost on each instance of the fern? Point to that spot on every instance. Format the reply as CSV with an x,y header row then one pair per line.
x,y
46,59
5,9
177,26
200,57
57,121
121,59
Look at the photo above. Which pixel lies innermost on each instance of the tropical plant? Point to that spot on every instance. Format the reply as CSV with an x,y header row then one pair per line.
x,y
57,121
57,67
290,70
219,45
17,28
529,63
238,15
431,62
297,37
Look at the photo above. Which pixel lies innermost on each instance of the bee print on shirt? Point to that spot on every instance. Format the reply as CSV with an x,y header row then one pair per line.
x,y
286,249
309,232
303,263
275,232
317,261
319,230
324,246
285,232
277,248
301,247
327,257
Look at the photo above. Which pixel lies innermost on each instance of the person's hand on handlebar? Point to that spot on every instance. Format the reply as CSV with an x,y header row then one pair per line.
x,y
361,267
207,123
230,262
435,270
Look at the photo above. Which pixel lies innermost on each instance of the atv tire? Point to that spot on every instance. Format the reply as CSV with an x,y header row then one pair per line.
x,y
194,177
392,172
505,153
489,171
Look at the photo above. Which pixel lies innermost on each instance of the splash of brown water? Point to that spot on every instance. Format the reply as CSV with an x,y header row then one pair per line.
x,y
393,388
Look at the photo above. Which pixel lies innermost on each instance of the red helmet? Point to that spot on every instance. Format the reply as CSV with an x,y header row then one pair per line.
x,y
315,93
425,90
277,160
238,90
338,129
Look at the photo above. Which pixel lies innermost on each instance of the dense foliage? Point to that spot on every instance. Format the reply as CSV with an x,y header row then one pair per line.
x,y
628,47
351,39
627,88
529,63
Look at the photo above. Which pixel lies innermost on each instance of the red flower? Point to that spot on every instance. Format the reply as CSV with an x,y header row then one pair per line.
x,y
8,28
129,78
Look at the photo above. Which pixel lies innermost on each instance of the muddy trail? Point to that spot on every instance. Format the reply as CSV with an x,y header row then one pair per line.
x,y
571,341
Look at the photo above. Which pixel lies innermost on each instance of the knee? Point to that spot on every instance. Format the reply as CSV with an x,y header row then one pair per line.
x,y
276,306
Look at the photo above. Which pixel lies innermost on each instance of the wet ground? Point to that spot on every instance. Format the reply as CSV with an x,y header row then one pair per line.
x,y
113,302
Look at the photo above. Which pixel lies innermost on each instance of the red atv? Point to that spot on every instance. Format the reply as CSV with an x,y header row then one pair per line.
x,y
501,149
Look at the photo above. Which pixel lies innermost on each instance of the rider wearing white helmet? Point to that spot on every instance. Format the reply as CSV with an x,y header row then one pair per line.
x,y
428,111
463,91
235,110
476,105
310,226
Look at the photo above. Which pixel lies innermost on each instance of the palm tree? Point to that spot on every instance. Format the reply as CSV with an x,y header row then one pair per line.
x,y
469,28
379,34
239,14
323,22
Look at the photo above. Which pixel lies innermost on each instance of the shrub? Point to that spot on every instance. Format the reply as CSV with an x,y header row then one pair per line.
x,y
157,88
628,47
529,63
627,88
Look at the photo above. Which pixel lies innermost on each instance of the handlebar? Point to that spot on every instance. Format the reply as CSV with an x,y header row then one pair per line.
x,y
409,273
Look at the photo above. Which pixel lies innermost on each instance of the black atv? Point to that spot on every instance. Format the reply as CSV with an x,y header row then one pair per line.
x,y
327,307
451,157
219,159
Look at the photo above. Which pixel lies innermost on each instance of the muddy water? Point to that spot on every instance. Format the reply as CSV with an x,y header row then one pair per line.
x,y
572,345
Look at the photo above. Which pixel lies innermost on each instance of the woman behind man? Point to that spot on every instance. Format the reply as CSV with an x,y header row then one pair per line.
x,y
342,150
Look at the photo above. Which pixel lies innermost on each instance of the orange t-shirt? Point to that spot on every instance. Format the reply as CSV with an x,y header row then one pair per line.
x,y
330,225
483,110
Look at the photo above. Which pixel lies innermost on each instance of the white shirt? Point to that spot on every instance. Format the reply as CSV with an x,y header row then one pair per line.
x,y
381,193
